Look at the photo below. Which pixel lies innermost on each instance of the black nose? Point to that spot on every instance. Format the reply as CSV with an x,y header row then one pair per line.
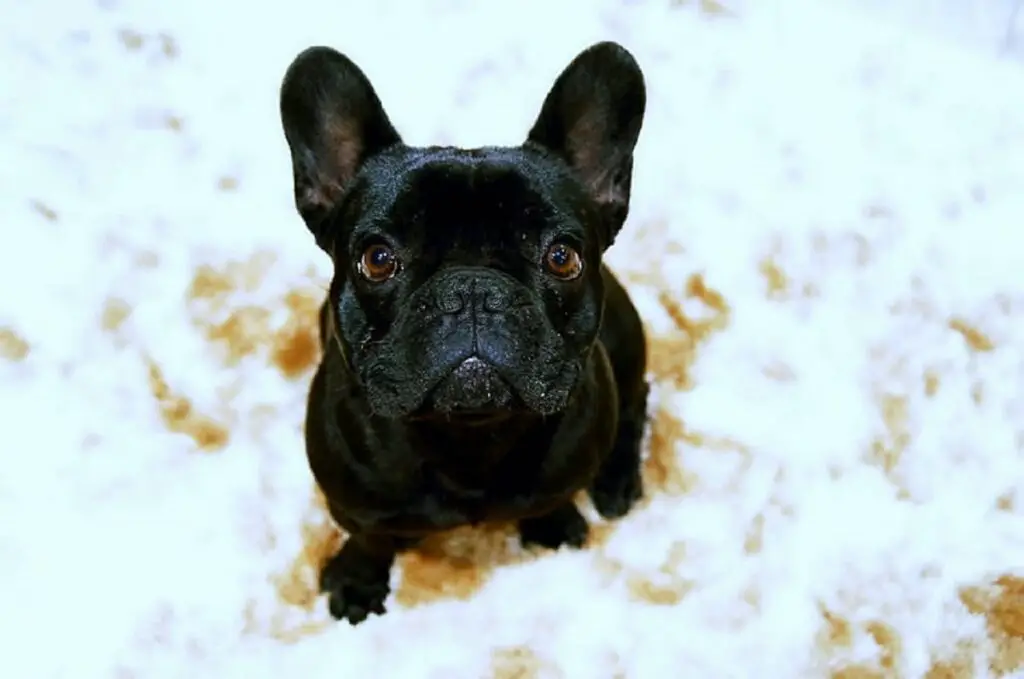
x,y
475,289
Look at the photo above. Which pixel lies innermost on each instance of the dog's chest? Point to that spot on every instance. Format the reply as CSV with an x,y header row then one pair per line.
x,y
477,499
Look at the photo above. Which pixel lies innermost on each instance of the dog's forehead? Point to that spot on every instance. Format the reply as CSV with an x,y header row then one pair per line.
x,y
449,189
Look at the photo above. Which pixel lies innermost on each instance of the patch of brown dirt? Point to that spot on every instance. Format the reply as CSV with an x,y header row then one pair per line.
x,y
295,346
889,644
114,314
955,665
670,358
1006,617
13,347
837,634
299,585
244,330
294,633
976,340
429,577
1002,604
321,539
753,541
836,631
600,533
168,46
667,591
218,284
451,565
835,638
887,450
134,41
671,355
662,470
665,587
516,662
180,416
456,564
776,281
697,288
240,334
857,672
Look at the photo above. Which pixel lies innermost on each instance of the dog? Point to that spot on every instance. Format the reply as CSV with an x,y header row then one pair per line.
x,y
480,363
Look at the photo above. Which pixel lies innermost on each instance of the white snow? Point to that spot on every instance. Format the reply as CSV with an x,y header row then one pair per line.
x,y
875,156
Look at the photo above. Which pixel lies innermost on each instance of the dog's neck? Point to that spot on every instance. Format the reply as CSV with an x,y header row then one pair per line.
x,y
470,453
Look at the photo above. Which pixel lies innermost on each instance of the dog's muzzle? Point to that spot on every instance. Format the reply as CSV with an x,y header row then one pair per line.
x,y
473,387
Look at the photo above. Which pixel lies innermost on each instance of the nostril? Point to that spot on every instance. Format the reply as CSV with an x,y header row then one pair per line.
x,y
503,301
494,303
451,302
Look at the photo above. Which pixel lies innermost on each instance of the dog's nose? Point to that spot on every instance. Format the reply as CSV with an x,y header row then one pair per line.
x,y
485,292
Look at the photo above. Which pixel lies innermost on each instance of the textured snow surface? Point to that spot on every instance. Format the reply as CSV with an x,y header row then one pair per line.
x,y
826,245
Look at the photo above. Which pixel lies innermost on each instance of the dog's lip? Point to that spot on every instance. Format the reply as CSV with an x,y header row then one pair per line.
x,y
471,418
473,363
479,417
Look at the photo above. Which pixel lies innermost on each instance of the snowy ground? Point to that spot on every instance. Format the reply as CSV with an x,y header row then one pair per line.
x,y
822,244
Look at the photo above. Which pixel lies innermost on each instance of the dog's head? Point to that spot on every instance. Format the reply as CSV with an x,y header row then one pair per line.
x,y
465,280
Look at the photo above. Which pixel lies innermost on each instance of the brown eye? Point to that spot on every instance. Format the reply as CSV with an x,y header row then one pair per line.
x,y
563,261
378,263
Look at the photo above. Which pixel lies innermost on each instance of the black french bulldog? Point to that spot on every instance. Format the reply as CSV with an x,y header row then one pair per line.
x,y
480,362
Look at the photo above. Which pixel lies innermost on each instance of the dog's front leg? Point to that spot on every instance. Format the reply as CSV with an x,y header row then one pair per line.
x,y
356,579
563,525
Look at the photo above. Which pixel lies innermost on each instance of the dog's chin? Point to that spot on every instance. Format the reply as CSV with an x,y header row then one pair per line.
x,y
474,392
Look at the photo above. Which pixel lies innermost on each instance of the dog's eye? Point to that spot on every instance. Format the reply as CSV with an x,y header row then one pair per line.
x,y
378,263
563,261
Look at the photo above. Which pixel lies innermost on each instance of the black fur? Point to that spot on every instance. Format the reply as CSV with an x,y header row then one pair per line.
x,y
473,385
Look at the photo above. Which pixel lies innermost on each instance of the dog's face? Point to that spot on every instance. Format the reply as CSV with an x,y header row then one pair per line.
x,y
466,281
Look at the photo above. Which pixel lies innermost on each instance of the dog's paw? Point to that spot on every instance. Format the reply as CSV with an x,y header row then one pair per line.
x,y
353,593
563,526
614,495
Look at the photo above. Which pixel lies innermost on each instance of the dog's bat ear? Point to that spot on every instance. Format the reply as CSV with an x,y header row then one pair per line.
x,y
333,122
591,118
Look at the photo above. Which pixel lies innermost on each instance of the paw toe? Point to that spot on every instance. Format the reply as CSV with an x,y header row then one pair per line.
x,y
355,603
613,501
552,532
576,535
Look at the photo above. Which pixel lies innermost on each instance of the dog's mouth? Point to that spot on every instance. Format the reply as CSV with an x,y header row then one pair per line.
x,y
473,393
465,418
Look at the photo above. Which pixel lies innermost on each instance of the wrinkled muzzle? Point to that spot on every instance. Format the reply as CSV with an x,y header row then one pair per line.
x,y
470,340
